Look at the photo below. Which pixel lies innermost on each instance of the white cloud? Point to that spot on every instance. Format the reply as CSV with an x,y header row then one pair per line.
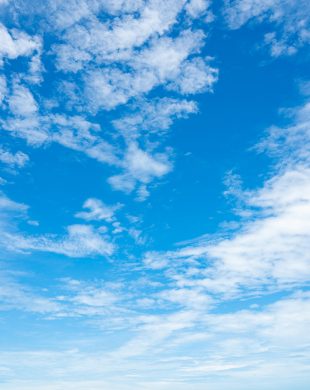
x,y
140,166
96,297
3,89
111,87
73,298
11,213
195,76
142,193
6,204
73,132
154,330
32,128
122,182
18,159
111,62
24,120
14,295
80,241
154,116
290,18
16,43
36,69
159,63
143,166
238,12
197,8
164,58
22,102
79,134
291,144
98,211
187,297
108,41
270,250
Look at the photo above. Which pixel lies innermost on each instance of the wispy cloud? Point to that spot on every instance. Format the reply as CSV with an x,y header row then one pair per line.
x,y
270,250
79,241
108,79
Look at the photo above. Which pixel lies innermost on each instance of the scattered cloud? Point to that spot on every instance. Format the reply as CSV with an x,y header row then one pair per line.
x,y
290,19
139,56
232,306
80,240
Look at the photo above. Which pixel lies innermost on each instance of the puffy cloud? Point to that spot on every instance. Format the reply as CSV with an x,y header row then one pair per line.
x,y
24,120
22,102
143,166
31,128
197,8
98,211
104,41
114,53
140,166
162,62
195,76
112,87
16,43
246,260
18,159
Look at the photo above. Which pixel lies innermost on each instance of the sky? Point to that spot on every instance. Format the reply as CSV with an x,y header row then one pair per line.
x,y
154,194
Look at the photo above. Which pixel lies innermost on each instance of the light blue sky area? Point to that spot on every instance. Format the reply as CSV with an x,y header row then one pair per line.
x,y
155,195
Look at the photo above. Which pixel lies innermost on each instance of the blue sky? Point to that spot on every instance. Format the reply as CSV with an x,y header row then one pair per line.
x,y
155,194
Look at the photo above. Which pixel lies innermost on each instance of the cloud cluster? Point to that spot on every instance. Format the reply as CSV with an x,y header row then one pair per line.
x,y
79,241
16,43
18,159
290,19
271,249
185,317
106,55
